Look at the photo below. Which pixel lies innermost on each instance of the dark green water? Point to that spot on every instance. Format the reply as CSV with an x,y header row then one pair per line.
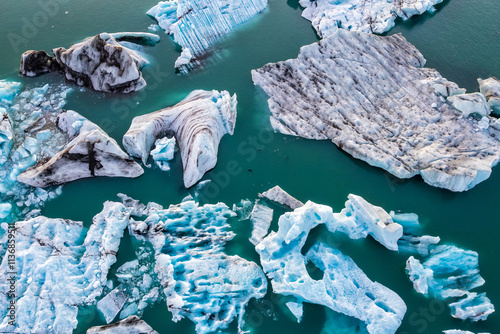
x,y
461,40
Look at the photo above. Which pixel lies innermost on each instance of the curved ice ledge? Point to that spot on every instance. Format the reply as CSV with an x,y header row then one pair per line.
x,y
198,123
373,98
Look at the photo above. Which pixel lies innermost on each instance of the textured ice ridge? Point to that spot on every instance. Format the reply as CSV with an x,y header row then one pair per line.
x,y
199,281
198,123
106,62
452,272
198,24
59,268
344,287
370,16
373,98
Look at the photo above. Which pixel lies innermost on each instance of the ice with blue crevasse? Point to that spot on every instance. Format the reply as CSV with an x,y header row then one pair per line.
x,y
344,287
60,267
451,272
163,152
197,24
198,280
371,16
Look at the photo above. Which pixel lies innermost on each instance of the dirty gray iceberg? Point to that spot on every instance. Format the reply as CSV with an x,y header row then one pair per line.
x,y
130,325
59,267
197,24
198,123
373,98
344,287
198,279
89,152
106,62
370,16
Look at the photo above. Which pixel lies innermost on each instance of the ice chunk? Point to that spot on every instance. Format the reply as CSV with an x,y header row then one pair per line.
x,y
6,136
243,209
312,97
163,152
261,219
474,306
199,281
198,123
112,63
344,287
8,90
473,103
490,88
56,273
276,194
91,152
198,24
297,310
412,240
131,325
448,272
112,303
370,16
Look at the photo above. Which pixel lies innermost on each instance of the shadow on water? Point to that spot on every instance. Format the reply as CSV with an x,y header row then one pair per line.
x,y
293,3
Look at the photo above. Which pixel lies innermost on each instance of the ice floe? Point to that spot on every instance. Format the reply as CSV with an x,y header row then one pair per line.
x,y
198,123
278,195
373,98
131,325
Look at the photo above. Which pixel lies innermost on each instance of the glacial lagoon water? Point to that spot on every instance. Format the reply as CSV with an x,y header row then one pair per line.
x,y
461,40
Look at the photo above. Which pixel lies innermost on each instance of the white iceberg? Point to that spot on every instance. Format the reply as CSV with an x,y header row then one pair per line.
x,y
261,218
278,195
474,306
490,88
197,24
198,123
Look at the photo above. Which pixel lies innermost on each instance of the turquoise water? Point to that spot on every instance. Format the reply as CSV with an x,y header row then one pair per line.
x,y
461,40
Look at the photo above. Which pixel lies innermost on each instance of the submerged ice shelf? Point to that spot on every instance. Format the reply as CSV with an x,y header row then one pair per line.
x,y
197,24
198,123
370,16
373,98
106,62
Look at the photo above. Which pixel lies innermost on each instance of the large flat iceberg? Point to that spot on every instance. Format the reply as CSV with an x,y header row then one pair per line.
x,y
197,24
372,97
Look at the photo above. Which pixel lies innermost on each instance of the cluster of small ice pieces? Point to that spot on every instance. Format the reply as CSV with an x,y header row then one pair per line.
x,y
197,24
131,325
198,123
198,280
451,272
372,97
344,287
370,16
60,267
106,62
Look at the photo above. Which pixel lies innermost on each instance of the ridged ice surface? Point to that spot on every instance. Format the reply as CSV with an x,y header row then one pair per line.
x,y
60,267
344,287
199,281
371,96
198,123
371,16
198,24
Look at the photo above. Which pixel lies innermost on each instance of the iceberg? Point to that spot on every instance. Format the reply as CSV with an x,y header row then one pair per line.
x,y
106,62
278,195
370,16
131,325
199,281
412,240
89,152
344,287
457,331
490,88
261,218
59,268
197,24
163,152
198,123
112,303
243,209
297,310
352,88
474,306
473,103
